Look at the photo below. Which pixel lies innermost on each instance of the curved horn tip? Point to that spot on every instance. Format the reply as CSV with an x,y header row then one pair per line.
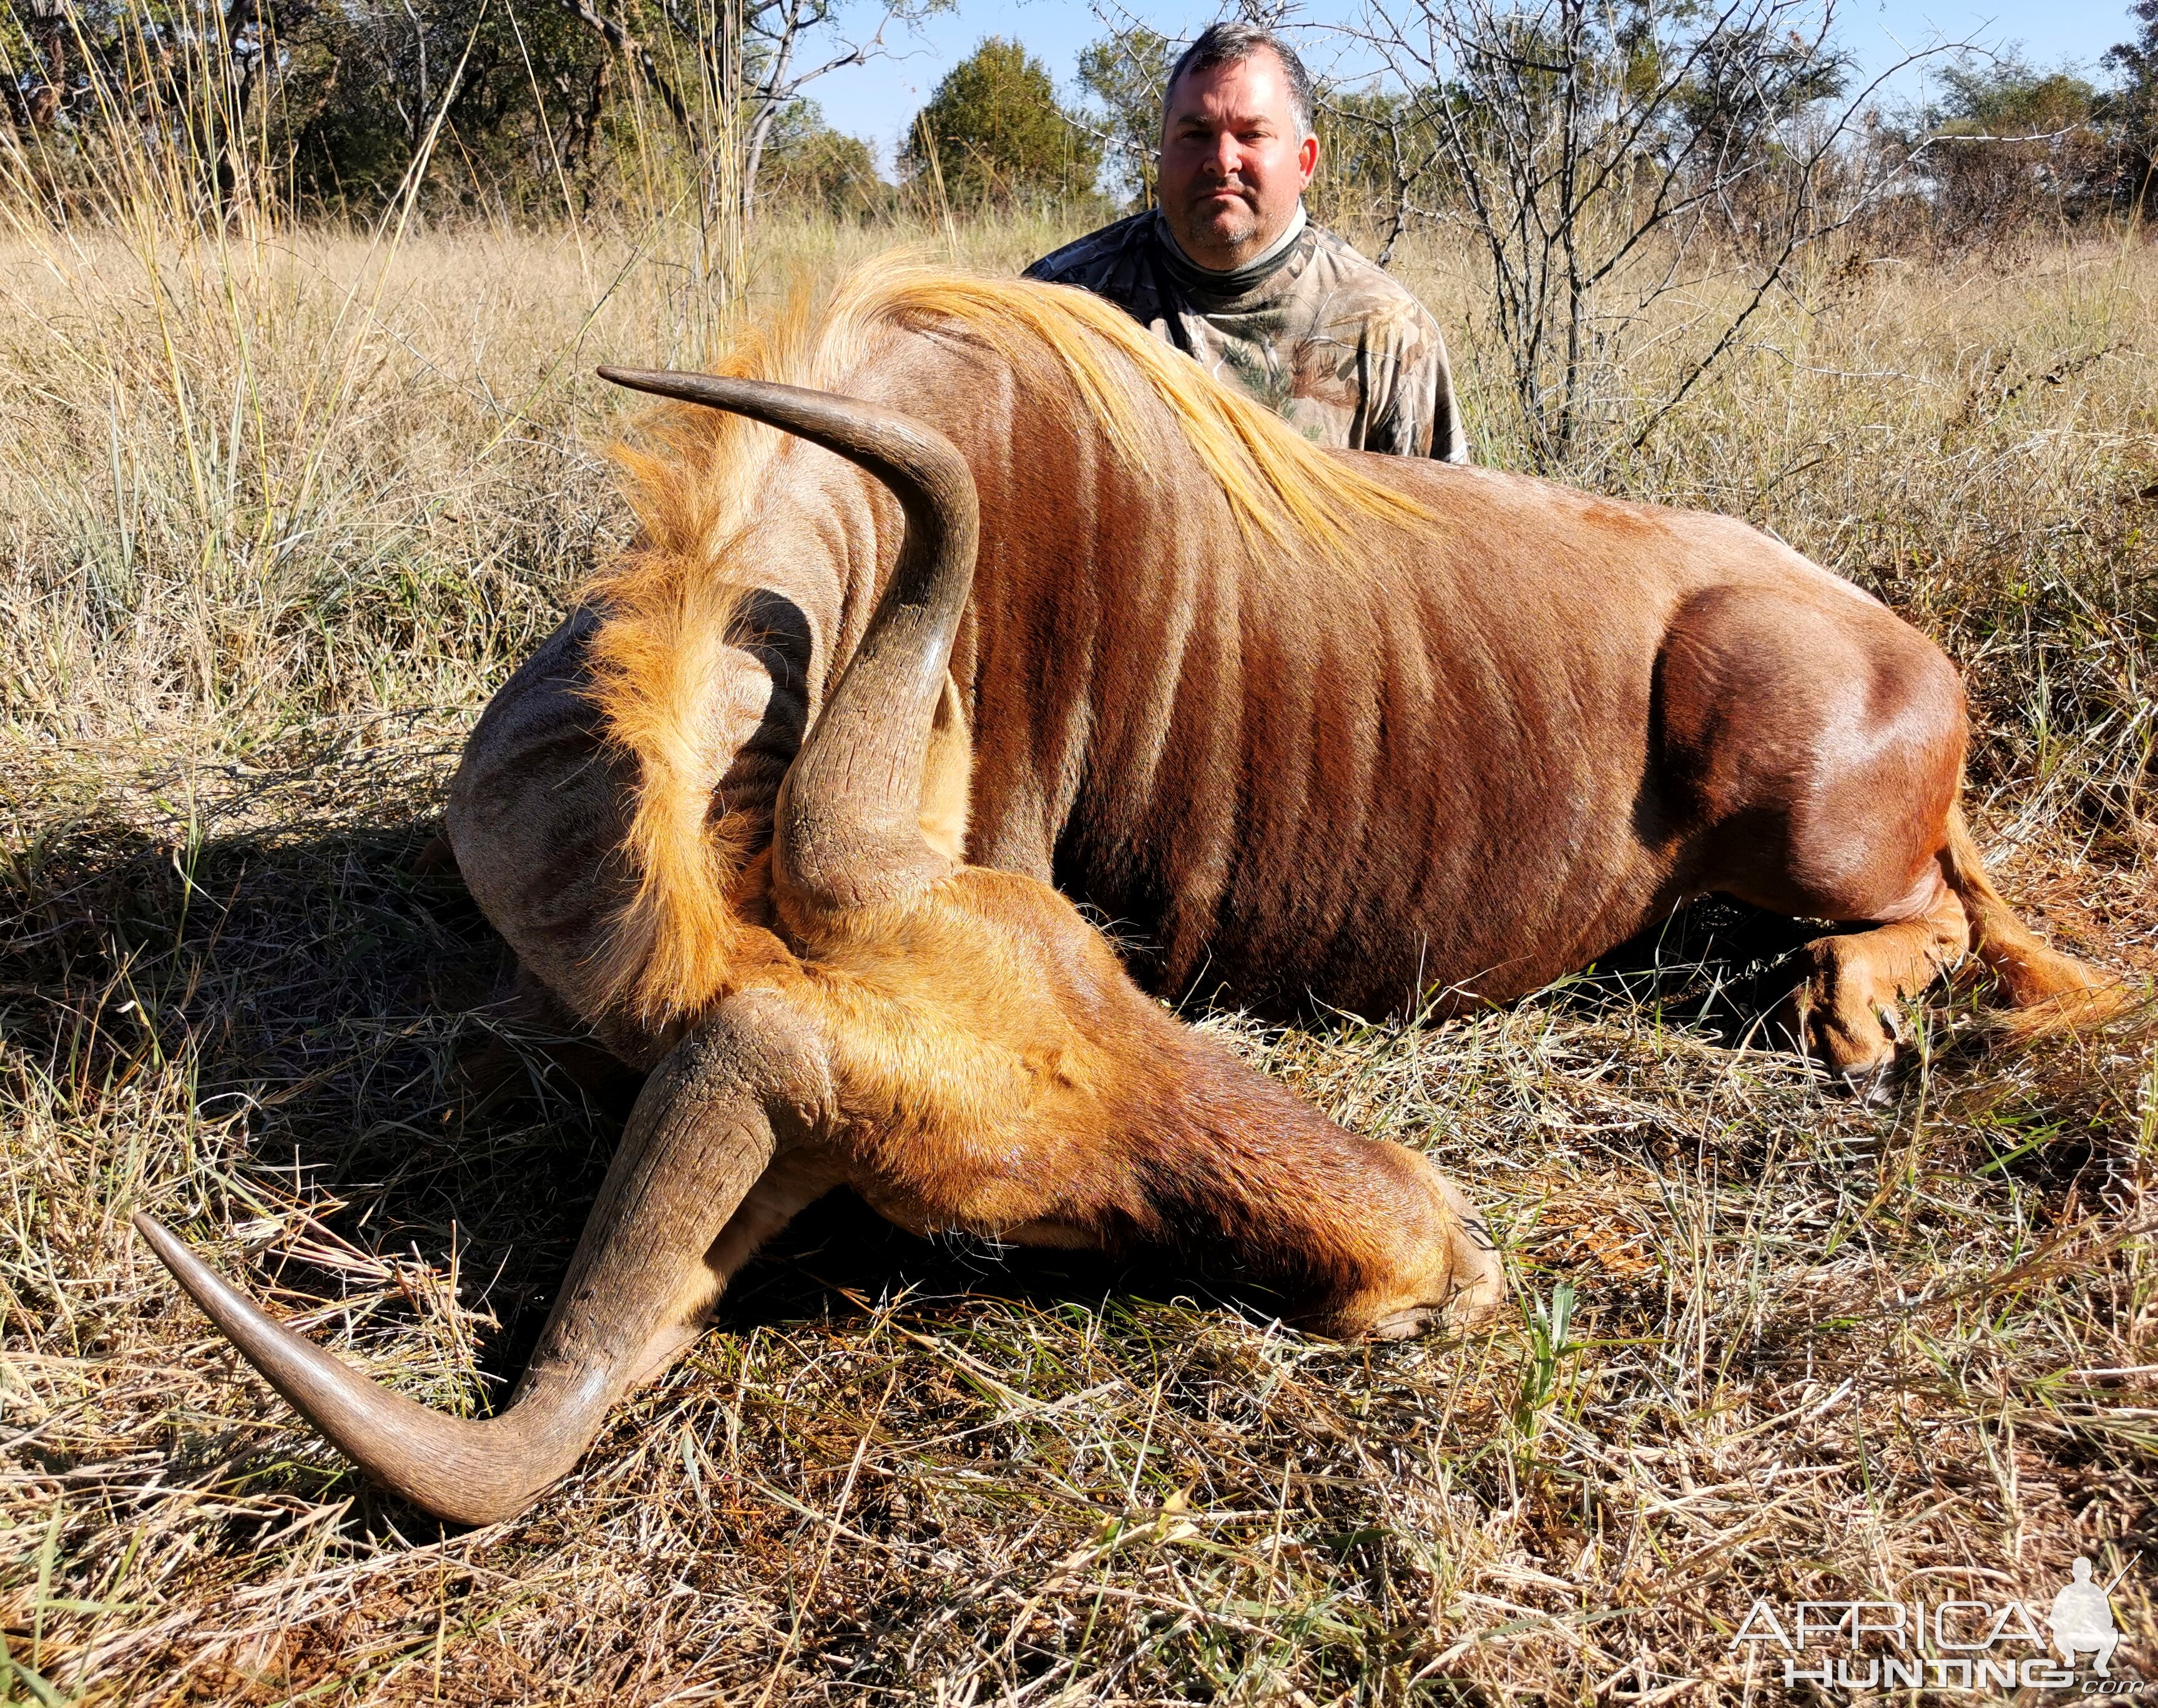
x,y
440,1464
217,1297
652,380
162,1240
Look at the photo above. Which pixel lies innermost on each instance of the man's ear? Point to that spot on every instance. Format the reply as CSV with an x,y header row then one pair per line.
x,y
1307,156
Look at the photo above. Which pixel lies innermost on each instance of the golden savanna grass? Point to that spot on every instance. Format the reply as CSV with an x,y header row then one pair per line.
x,y
280,512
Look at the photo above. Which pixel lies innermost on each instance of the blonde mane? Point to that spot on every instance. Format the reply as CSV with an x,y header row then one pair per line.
x,y
669,604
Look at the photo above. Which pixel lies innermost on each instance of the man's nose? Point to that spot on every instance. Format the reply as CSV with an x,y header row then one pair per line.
x,y
1225,155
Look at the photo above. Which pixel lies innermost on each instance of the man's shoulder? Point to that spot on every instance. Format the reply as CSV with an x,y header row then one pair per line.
x,y
1357,287
1089,261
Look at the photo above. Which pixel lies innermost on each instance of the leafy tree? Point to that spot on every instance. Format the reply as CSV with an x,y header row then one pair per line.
x,y
1127,73
92,81
521,94
1743,85
807,164
695,56
2134,101
2005,92
2133,104
330,106
2007,141
993,132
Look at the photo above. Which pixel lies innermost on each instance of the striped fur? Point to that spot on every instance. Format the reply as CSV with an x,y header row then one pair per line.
x,y
671,598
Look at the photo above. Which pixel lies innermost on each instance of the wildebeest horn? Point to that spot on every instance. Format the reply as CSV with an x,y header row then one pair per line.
x,y
847,823
636,1294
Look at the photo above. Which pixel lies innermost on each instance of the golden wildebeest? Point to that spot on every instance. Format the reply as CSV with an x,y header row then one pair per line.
x,y
1360,727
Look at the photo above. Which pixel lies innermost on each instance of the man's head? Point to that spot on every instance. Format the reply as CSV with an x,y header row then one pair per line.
x,y
1237,144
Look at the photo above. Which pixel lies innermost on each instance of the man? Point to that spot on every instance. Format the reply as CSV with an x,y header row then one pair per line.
x,y
2082,1621
1230,271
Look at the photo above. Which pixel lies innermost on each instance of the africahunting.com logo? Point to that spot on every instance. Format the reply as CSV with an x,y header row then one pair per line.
x,y
1951,1645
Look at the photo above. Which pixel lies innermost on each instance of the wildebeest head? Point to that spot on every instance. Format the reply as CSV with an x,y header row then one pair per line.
x,y
737,1086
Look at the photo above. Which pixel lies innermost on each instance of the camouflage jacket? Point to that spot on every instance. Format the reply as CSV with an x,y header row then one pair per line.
x,y
1319,335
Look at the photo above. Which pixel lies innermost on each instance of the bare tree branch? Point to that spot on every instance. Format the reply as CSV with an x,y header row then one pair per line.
x,y
1604,152
631,49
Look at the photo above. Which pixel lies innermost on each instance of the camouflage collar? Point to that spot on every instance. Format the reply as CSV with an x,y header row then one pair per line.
x,y
1255,272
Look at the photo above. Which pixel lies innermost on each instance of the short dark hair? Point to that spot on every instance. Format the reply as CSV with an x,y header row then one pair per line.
x,y
1231,45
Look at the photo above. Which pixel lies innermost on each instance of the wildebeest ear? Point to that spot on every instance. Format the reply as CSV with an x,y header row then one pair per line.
x,y
947,776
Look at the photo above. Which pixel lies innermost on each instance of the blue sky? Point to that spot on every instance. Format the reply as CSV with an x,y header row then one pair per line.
x,y
878,101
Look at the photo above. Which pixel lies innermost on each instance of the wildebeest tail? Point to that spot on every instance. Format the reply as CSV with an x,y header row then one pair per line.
x,y
2050,991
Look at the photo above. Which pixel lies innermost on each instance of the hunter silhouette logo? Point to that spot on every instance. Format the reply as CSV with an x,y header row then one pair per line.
x,y
2082,1620
1953,1645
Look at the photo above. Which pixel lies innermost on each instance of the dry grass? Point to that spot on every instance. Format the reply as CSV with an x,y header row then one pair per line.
x,y
275,520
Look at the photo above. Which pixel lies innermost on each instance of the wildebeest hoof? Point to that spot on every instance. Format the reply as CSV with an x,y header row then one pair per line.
x,y
436,858
1477,1300
1470,1308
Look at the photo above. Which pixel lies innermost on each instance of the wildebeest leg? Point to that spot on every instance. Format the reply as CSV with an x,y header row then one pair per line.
x,y
1816,748
1812,748
1845,1008
2033,975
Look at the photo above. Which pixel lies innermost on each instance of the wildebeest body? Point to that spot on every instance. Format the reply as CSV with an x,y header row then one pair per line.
x,y
1447,765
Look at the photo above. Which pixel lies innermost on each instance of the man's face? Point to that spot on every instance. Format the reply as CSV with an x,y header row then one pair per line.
x,y
1232,163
